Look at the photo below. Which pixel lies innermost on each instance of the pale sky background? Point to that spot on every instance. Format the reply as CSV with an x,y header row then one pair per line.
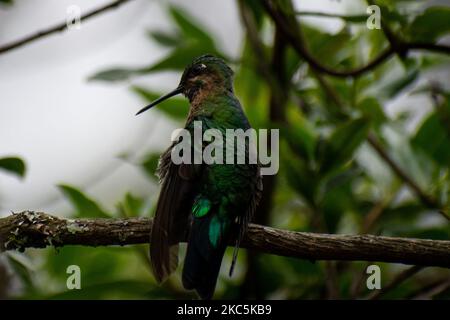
x,y
71,131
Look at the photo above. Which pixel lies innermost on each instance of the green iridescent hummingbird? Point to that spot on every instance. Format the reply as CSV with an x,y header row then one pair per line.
x,y
209,204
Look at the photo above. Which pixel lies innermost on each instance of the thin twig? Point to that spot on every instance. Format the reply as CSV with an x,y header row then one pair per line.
x,y
58,28
295,38
400,278
431,290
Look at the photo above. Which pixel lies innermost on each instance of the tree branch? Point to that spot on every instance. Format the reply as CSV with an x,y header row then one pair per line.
x,y
30,229
295,38
58,28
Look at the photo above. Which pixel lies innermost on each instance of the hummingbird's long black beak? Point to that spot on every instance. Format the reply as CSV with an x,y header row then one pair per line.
x,y
161,99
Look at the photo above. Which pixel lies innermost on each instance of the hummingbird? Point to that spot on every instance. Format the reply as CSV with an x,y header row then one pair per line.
x,y
210,205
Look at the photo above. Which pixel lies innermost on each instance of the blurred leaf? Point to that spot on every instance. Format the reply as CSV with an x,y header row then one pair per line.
x,y
175,108
300,176
116,74
433,139
372,110
150,164
84,206
181,57
109,290
6,2
99,266
292,63
21,268
433,23
165,39
188,28
435,233
336,44
189,41
390,12
133,205
321,44
252,90
270,270
432,61
300,136
257,9
401,213
193,42
337,198
13,165
342,143
357,18
395,87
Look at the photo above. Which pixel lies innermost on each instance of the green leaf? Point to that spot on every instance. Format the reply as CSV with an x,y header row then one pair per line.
x,y
257,9
252,90
371,109
166,39
433,139
189,42
395,87
431,24
182,56
336,44
116,74
190,29
13,165
300,136
110,290
150,164
84,206
435,233
357,18
22,267
300,177
6,2
175,108
177,60
391,14
340,146
337,200
321,44
132,206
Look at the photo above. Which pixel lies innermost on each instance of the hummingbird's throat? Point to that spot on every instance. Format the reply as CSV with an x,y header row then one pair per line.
x,y
199,88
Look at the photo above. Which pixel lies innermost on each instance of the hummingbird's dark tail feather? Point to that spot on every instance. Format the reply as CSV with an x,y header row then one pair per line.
x,y
203,260
170,223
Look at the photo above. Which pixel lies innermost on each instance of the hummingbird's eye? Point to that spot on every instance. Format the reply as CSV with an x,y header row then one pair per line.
x,y
198,69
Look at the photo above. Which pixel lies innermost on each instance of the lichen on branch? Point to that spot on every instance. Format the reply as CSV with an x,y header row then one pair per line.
x,y
31,229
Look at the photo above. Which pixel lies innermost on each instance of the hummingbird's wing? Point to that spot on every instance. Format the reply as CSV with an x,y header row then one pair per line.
x,y
170,223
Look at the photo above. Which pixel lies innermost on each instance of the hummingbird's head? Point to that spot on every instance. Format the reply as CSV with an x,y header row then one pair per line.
x,y
205,74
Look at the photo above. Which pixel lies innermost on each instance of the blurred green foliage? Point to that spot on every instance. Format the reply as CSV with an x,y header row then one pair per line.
x,y
330,178
13,165
6,2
